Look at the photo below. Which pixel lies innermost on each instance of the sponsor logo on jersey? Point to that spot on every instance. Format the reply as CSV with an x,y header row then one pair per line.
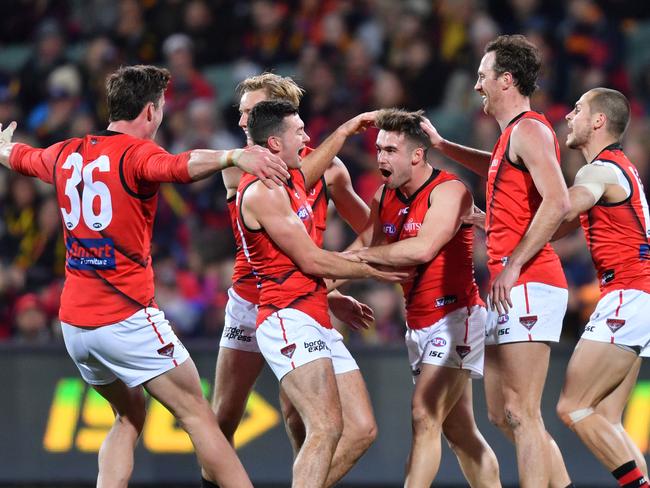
x,y
236,333
403,211
644,252
389,229
528,321
503,318
87,254
411,226
446,300
615,324
288,350
167,350
315,346
439,342
607,277
463,351
304,211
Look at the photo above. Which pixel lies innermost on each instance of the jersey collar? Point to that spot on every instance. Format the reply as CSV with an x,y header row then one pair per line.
x,y
615,146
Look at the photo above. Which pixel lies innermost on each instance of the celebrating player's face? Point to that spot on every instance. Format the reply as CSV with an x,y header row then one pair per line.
x,y
293,140
579,122
394,157
246,104
486,81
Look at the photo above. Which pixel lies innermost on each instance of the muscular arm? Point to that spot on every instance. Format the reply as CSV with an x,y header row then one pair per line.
x,y
348,204
474,159
271,210
449,203
532,144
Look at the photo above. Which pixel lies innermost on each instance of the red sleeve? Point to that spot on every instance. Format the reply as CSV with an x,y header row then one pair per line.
x,y
31,161
151,163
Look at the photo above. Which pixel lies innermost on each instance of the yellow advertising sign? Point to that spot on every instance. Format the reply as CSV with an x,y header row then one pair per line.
x,y
80,418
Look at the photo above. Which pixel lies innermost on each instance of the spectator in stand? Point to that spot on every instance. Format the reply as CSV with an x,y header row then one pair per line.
x,y
187,83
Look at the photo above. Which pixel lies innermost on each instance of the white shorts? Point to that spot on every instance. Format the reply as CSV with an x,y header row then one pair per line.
x,y
239,324
134,350
537,314
455,341
290,338
620,318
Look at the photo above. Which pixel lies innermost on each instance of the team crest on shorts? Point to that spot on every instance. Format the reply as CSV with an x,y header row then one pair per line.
x,y
615,324
463,351
528,321
288,350
167,350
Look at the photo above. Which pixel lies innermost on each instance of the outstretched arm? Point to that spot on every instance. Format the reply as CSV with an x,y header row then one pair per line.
x,y
474,159
316,162
348,204
450,202
271,210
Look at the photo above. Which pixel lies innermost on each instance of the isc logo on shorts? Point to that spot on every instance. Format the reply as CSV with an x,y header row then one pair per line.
x,y
88,254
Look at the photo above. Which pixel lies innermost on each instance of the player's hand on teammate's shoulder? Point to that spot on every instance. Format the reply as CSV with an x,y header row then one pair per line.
x,y
476,218
350,311
259,161
359,123
432,132
7,133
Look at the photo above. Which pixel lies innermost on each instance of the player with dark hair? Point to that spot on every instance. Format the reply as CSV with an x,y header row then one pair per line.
x,y
107,189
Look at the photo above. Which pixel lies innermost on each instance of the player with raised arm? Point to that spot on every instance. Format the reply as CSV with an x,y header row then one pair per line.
x,y
526,201
416,216
107,187
609,199
239,354
294,333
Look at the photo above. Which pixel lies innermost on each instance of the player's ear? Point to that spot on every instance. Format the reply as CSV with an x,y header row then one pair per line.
x,y
150,108
417,155
599,120
274,143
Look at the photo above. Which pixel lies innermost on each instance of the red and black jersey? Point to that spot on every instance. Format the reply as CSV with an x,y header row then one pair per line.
x,y
107,189
444,284
280,282
618,234
244,281
513,201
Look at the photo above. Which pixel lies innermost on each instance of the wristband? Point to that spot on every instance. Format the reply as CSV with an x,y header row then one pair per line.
x,y
233,156
224,159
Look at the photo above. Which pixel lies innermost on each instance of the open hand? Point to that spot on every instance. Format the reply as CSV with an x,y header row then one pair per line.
x,y
351,312
476,218
7,133
259,161
499,294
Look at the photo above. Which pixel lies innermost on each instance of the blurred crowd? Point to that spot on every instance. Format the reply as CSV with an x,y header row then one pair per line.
x,y
349,55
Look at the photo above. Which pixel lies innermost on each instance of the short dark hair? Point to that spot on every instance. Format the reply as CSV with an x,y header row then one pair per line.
x,y
614,105
131,88
518,56
267,119
408,123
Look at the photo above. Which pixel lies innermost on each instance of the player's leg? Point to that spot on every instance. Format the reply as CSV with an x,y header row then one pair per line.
x,y
359,427
292,423
612,406
235,375
179,390
312,390
116,453
523,367
437,390
476,458
239,363
595,369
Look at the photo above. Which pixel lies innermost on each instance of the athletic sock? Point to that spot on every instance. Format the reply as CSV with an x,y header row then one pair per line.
x,y
207,484
629,476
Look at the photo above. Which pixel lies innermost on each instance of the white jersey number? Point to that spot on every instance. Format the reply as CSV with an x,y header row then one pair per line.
x,y
644,202
92,190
